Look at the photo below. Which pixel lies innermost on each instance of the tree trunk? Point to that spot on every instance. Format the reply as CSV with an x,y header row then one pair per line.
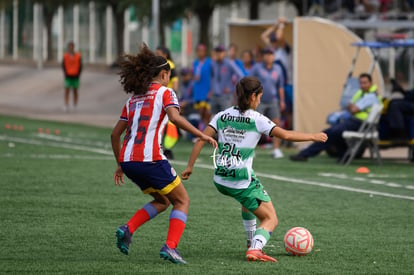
x,y
101,11
120,25
204,18
253,9
161,32
48,16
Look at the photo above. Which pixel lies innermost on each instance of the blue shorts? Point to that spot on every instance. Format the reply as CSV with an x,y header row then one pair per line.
x,y
152,177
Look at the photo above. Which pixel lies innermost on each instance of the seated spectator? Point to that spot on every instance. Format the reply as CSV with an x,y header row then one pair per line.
x,y
398,111
359,108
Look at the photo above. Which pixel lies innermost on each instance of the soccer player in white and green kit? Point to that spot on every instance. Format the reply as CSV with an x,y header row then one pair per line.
x,y
239,129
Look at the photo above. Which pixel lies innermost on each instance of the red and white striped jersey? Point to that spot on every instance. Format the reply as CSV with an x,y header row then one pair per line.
x,y
146,116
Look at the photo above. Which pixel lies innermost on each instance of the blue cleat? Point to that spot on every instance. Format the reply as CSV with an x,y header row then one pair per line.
x,y
123,238
171,254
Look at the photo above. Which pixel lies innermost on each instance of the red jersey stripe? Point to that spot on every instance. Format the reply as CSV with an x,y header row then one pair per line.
x,y
147,117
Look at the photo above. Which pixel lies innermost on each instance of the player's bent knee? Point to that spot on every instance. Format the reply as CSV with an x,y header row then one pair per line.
x,y
183,201
165,204
179,198
161,201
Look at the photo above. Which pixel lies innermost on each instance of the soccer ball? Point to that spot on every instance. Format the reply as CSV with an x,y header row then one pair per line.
x,y
298,241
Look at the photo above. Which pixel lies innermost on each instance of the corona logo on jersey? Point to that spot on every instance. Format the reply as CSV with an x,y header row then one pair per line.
x,y
228,117
298,241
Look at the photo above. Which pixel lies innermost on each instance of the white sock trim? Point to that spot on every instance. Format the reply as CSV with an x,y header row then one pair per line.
x,y
250,228
258,242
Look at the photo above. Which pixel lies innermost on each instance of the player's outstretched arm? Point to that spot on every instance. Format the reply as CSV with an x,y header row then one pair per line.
x,y
116,148
209,131
298,136
177,119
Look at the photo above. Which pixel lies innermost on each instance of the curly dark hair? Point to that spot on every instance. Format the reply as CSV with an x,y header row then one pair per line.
x,y
244,89
137,71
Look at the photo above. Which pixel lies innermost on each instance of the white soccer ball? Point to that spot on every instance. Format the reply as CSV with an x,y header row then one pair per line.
x,y
298,241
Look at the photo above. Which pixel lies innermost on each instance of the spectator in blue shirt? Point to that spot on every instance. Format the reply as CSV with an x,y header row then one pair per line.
x,y
248,61
273,99
232,55
201,82
186,92
223,74
186,100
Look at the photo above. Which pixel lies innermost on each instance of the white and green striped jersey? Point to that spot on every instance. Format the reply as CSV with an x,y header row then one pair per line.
x,y
238,134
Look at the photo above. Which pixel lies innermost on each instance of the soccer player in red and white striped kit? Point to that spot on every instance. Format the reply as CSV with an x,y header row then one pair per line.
x,y
141,157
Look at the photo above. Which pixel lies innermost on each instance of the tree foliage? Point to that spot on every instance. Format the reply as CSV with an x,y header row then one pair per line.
x,y
204,10
5,3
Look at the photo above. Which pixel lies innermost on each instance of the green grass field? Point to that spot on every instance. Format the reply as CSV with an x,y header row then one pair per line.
x,y
59,210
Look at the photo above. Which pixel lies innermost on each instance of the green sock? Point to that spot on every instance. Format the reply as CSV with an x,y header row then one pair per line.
x,y
261,236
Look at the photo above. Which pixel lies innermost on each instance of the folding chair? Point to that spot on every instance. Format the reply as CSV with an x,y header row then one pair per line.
x,y
367,133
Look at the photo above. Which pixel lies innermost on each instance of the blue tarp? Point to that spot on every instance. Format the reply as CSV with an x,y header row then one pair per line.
x,y
390,44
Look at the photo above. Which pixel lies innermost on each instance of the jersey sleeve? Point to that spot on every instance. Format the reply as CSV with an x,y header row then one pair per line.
x,y
124,114
169,99
213,122
264,125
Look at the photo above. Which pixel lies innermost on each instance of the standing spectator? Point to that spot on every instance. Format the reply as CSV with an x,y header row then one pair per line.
x,y
201,83
222,77
186,100
232,55
186,91
273,99
72,68
165,52
248,61
274,38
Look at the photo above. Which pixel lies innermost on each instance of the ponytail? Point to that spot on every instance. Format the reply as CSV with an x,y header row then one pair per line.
x,y
244,89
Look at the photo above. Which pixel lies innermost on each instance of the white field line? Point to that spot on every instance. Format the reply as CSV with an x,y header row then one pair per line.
x,y
386,176
307,182
71,140
366,180
57,145
55,156
210,167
